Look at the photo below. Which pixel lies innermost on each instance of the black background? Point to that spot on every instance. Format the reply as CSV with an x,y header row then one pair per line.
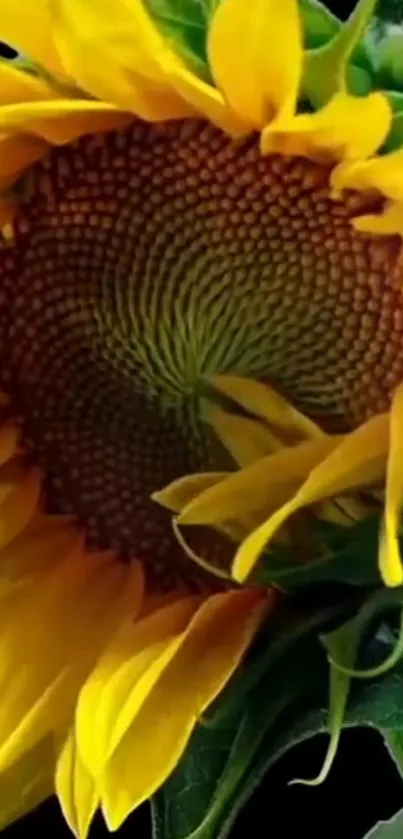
x,y
363,786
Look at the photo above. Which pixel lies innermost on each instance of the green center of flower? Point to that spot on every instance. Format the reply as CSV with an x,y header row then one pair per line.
x,y
147,261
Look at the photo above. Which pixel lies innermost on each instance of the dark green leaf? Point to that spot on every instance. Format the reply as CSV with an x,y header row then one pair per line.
x,y
394,741
390,62
228,751
395,137
318,22
184,24
392,829
283,690
350,556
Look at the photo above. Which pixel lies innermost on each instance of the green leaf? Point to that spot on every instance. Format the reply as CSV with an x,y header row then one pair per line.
x,y
184,24
231,749
350,556
392,829
277,700
390,62
395,137
394,742
343,646
318,22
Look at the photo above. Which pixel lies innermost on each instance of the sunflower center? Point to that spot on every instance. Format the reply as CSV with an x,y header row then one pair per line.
x,y
148,260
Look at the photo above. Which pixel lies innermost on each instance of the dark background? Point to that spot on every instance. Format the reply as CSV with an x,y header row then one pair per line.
x,y
362,788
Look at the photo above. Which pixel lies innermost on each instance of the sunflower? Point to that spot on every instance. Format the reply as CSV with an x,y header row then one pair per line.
x,y
201,353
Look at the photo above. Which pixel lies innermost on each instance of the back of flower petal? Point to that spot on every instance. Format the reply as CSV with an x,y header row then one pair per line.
x,y
255,52
210,649
383,173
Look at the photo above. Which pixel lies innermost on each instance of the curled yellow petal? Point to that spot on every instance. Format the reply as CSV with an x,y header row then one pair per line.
x,y
358,460
210,649
75,789
61,121
19,86
388,222
347,127
390,563
384,174
266,403
179,493
247,440
261,486
258,77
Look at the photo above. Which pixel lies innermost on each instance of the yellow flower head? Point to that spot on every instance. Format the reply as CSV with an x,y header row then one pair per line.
x,y
201,315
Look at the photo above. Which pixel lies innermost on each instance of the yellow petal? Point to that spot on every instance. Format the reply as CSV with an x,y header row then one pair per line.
x,y
265,402
61,120
8,210
70,615
8,441
389,222
28,782
19,86
257,78
384,174
108,34
347,127
27,26
18,506
31,555
390,562
246,440
75,789
327,69
210,650
125,673
359,460
17,152
261,486
204,99
176,495
144,76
